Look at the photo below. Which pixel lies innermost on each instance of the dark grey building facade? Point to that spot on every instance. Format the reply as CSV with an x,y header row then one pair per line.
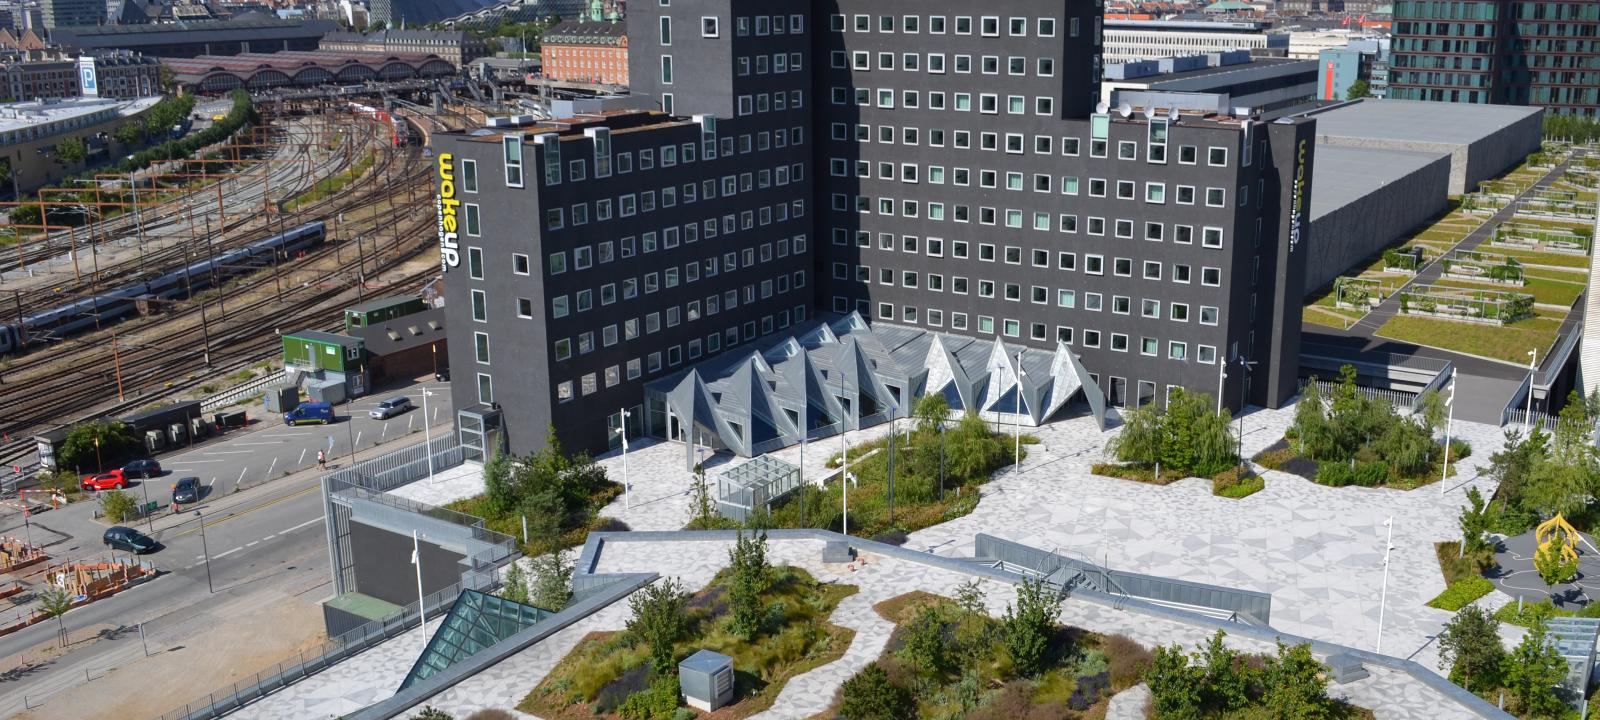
x,y
928,165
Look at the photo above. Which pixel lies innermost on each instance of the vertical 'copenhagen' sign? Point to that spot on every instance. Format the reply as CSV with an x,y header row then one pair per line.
x,y
1297,197
449,255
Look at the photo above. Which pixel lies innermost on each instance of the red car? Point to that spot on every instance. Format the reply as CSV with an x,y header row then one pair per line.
x,y
105,480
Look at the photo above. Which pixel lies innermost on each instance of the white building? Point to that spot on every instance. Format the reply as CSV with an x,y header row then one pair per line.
x,y
1127,40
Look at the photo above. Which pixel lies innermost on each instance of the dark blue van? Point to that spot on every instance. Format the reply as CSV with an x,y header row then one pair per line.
x,y
315,413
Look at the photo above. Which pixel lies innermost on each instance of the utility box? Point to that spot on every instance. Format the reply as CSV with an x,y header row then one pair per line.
x,y
198,428
154,441
282,399
326,391
706,679
177,433
234,419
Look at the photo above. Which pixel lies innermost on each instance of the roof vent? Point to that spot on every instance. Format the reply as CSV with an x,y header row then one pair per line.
x,y
393,335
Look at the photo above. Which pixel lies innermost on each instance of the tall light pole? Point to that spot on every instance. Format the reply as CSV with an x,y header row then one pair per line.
x,y
1022,406
1243,384
205,551
844,456
1533,365
1383,597
1222,375
427,432
1448,423
422,606
622,431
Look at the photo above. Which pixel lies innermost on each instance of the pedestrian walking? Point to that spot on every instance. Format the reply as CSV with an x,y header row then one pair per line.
x,y
322,460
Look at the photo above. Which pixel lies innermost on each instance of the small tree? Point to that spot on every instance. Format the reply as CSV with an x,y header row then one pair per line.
x,y
516,587
1295,688
1141,436
1552,566
750,578
1474,521
1358,90
498,488
969,597
55,601
429,712
552,582
1223,685
1469,646
1028,627
71,151
659,621
78,448
702,511
118,505
926,648
1174,685
1532,671
870,696
930,411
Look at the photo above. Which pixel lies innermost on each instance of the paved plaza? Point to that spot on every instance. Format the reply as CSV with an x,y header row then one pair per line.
x,y
369,676
1317,550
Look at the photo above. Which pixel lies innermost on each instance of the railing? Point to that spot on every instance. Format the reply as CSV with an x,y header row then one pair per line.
x,y
225,700
1513,416
391,470
1398,398
232,395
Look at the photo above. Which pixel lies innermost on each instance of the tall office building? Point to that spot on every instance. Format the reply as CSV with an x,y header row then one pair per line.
x,y
73,13
924,168
1516,52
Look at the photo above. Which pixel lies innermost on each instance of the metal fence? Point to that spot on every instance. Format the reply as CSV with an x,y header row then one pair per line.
x,y
409,464
1514,416
1399,398
234,394
224,700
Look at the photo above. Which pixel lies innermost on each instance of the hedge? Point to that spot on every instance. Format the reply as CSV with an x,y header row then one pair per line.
x,y
1461,593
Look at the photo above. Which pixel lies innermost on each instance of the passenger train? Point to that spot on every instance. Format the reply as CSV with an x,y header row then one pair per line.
x,y
75,315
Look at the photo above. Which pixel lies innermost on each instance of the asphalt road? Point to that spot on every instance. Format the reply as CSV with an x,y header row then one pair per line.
x,y
263,541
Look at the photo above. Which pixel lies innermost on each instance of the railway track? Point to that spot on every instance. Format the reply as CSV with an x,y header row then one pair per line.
x,y
182,216
244,336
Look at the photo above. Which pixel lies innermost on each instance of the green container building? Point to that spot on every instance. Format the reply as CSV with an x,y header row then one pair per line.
x,y
375,312
313,350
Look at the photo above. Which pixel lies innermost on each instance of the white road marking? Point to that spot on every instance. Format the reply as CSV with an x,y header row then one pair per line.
x,y
252,543
301,525
269,537
227,553
302,457
243,444
228,452
193,462
270,467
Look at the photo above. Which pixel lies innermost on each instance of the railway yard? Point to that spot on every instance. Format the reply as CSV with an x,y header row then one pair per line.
x,y
241,288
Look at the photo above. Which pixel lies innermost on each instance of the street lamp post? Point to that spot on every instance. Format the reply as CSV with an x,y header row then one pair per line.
x,y
1448,423
1022,407
1243,384
206,552
422,605
622,431
427,432
1222,375
1383,597
1533,365
98,463
844,457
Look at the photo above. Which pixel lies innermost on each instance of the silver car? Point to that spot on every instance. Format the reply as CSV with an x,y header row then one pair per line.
x,y
391,407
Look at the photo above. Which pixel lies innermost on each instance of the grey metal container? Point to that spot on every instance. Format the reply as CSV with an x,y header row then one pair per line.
x,y
282,399
706,679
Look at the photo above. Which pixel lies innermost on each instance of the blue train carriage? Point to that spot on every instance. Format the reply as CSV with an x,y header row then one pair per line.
x,y
375,312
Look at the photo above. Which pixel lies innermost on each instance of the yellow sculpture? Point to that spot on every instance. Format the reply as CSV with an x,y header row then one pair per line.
x,y
1558,530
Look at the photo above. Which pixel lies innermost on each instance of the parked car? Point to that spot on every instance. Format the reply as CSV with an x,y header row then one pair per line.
x,y
442,375
146,468
119,537
391,407
105,480
185,491
315,413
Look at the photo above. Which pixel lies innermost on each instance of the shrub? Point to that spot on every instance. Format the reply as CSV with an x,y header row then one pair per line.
x,y
1275,458
1457,566
659,702
118,505
1028,627
1237,482
1128,660
1461,593
430,712
659,620
870,696
491,714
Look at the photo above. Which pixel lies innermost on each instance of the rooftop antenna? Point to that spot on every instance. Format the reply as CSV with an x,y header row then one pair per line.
x,y
1125,110
1101,108
1149,112
1172,113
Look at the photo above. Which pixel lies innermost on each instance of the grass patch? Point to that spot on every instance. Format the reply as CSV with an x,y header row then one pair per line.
x,y
1502,342
478,506
332,184
1462,593
1457,566
1137,473
1548,291
604,668
973,452
1237,483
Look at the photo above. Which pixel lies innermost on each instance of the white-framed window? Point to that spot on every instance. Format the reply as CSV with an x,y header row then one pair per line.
x,y
709,28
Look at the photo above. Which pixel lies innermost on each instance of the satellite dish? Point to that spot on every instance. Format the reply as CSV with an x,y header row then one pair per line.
x,y
1149,112
1101,108
1125,110
1172,113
